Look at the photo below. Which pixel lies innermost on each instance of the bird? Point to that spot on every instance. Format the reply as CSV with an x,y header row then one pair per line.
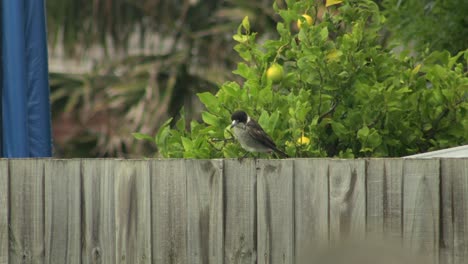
x,y
251,135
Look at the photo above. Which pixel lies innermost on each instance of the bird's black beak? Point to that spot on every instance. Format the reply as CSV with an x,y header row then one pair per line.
x,y
234,123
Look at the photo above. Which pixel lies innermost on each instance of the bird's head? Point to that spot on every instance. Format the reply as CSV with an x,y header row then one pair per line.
x,y
239,117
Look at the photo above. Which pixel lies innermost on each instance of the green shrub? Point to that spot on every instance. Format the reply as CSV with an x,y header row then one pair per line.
x,y
341,90
433,24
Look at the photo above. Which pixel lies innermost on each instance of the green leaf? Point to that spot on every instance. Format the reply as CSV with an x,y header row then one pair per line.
x,y
141,136
246,24
244,70
347,154
274,119
231,88
339,129
209,100
266,95
363,133
163,132
455,58
263,120
180,124
243,51
240,38
187,143
374,139
210,119
324,34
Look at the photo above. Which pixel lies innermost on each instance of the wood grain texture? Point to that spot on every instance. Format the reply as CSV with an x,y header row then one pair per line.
x,y
384,198
447,180
205,211
98,208
460,207
4,211
275,207
62,190
454,211
347,199
421,207
223,211
132,211
169,211
240,211
375,197
26,211
311,207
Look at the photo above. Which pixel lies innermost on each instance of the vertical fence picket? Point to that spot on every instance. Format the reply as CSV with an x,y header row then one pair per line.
x,y
447,181
347,199
454,233
421,207
311,207
205,211
460,194
240,212
4,211
275,210
62,190
169,211
384,204
375,197
26,211
132,211
98,207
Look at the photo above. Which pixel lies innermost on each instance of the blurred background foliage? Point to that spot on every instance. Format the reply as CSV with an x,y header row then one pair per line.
x,y
428,24
148,59
144,60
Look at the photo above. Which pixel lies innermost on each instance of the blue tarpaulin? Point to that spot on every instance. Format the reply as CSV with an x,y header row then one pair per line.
x,y
25,106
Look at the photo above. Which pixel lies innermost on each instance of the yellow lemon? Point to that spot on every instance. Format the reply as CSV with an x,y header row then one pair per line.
x,y
307,18
303,140
275,73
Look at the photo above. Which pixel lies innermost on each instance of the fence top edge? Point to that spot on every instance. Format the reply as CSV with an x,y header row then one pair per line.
x,y
229,159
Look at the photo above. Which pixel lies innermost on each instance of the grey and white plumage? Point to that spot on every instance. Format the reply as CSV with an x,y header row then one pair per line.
x,y
251,135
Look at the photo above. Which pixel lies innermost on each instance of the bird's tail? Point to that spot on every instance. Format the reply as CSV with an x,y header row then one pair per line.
x,y
281,153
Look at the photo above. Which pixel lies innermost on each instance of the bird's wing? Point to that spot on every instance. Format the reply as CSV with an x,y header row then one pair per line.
x,y
257,132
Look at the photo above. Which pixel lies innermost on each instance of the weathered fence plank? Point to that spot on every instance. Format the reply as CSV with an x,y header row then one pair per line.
x,y
4,209
460,206
421,207
62,190
240,211
311,207
447,181
98,207
169,211
454,233
205,211
384,203
132,211
275,207
27,211
347,199
375,198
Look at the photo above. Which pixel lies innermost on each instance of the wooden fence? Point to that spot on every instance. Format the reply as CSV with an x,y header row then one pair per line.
x,y
223,211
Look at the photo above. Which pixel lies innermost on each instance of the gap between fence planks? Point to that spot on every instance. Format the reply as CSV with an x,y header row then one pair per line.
x,y
223,211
